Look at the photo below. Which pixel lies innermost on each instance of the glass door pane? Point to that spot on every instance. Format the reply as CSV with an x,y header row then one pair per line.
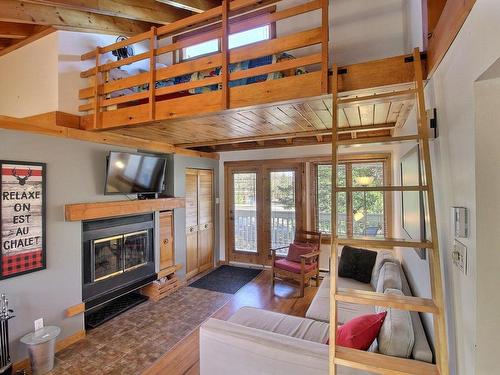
x,y
107,257
245,211
282,209
135,247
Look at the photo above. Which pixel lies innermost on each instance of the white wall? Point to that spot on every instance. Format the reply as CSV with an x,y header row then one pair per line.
x,y
412,24
360,30
487,95
29,89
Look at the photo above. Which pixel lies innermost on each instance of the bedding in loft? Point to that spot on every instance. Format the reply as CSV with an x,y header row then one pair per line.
x,y
117,74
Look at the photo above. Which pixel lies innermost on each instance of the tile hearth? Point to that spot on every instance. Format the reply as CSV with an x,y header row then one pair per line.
x,y
131,342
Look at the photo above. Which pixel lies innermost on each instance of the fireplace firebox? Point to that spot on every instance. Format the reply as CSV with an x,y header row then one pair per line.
x,y
118,257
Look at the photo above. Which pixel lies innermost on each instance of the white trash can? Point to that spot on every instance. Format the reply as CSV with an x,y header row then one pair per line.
x,y
41,347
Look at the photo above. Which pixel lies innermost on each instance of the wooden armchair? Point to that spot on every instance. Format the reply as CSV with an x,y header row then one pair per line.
x,y
303,271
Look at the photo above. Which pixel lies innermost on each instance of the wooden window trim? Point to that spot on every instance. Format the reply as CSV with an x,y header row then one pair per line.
x,y
177,57
350,159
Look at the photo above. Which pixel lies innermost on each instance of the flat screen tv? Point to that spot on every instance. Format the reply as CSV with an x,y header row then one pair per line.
x,y
129,173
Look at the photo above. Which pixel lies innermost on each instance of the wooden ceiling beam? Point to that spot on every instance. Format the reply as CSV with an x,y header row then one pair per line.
x,y
12,30
197,6
302,141
45,30
144,10
64,125
69,19
4,43
287,137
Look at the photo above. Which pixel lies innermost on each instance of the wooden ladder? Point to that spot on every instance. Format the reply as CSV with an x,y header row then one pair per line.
x,y
374,362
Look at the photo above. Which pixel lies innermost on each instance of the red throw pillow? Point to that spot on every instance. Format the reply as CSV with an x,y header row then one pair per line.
x,y
295,251
360,332
313,246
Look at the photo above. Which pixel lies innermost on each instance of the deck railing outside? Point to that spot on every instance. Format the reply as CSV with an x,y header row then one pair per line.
x,y
283,224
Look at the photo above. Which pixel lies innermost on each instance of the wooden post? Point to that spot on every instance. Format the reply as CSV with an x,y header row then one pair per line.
x,y
324,46
434,256
152,73
97,83
333,252
225,54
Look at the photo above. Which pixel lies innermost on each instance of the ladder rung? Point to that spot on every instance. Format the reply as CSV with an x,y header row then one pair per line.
x,y
376,98
382,188
382,364
364,297
386,242
362,141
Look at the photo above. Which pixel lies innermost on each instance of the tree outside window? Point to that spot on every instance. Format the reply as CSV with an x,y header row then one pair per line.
x,y
367,214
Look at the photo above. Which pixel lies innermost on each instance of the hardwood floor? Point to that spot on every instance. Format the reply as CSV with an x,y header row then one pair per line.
x,y
183,359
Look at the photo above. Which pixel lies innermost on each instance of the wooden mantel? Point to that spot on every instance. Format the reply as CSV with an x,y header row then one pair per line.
x,y
99,210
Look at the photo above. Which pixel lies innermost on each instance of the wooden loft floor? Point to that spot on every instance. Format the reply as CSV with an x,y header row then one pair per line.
x,y
291,123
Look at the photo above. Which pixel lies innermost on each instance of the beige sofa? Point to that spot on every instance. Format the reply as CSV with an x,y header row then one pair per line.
x,y
255,341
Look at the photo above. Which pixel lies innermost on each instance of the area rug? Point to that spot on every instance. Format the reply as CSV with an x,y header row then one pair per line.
x,y
226,279
131,342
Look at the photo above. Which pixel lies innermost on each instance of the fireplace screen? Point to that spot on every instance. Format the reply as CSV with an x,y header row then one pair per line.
x,y
117,254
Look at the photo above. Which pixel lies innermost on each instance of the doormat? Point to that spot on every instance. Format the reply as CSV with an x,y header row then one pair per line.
x,y
226,279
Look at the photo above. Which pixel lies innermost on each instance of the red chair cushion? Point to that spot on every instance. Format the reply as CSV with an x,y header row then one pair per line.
x,y
359,333
294,267
296,250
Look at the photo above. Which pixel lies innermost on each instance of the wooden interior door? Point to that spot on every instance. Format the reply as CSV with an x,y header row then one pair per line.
x,y
191,222
166,241
205,220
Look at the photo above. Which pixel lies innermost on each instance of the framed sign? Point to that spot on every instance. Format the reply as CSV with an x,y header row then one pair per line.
x,y
22,218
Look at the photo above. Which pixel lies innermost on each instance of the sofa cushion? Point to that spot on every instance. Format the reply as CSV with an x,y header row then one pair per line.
x,y
359,333
389,277
396,337
320,305
421,349
302,328
357,263
296,250
294,267
347,311
382,257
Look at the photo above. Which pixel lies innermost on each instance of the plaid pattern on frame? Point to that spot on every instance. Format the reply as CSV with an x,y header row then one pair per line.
x,y
12,264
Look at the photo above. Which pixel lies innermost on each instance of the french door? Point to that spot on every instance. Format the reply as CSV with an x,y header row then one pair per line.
x,y
263,209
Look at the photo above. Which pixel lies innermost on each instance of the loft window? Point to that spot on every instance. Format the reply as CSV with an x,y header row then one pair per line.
x,y
235,40
249,36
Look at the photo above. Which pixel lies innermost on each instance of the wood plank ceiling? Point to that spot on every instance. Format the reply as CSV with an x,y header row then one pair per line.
x,y
300,122
21,21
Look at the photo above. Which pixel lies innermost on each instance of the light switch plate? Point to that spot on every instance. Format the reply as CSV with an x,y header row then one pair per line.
x,y
459,256
461,222
38,324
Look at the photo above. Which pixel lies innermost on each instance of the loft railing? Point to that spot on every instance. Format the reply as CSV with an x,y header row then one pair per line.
x,y
149,102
